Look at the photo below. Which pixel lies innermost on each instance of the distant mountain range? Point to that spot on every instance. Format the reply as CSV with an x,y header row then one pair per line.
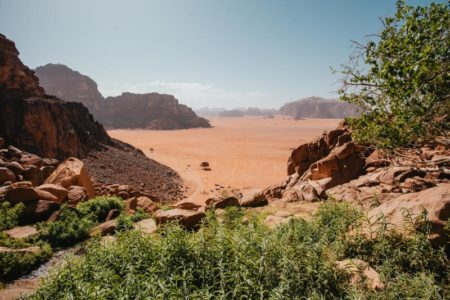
x,y
312,107
149,111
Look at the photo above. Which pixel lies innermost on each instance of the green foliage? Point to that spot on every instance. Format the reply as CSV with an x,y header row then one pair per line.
x,y
97,209
401,79
13,265
69,229
10,216
125,221
237,259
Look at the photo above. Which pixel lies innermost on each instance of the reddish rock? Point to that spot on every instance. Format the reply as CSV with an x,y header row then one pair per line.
x,y
38,211
76,194
435,200
72,172
6,175
147,204
187,218
21,192
57,191
31,173
112,214
21,232
15,167
107,227
253,199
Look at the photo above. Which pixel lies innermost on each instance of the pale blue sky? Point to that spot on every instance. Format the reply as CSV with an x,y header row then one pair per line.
x,y
217,53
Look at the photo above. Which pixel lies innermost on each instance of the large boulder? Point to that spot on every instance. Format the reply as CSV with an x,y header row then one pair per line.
x,y
58,191
6,175
72,172
436,201
187,218
38,211
253,199
23,192
76,194
224,199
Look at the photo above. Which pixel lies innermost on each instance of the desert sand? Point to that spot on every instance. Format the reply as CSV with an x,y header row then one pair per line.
x,y
244,153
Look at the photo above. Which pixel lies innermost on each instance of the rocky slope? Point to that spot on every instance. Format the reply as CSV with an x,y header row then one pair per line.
x,y
150,111
316,107
49,127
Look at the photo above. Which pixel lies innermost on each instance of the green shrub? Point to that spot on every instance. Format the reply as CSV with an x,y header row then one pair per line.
x,y
9,216
125,221
68,230
13,265
97,209
401,78
233,259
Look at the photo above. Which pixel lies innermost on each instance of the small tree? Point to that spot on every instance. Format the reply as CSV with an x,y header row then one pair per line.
x,y
401,78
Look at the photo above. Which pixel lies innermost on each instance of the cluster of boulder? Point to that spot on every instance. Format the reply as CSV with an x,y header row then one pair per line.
x,y
384,184
41,184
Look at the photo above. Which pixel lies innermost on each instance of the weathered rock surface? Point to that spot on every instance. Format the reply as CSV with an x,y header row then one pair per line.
x,y
187,218
436,201
21,232
107,227
315,167
72,172
360,272
224,199
150,111
147,226
56,190
76,194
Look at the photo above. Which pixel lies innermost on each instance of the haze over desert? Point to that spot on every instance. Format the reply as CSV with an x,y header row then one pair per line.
x,y
244,152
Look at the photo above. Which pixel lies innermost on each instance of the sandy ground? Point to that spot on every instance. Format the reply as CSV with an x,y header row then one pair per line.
x,y
244,153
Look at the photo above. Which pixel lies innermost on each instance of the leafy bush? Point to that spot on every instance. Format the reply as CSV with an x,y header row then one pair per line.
x,y
401,79
97,209
13,265
233,259
69,229
9,216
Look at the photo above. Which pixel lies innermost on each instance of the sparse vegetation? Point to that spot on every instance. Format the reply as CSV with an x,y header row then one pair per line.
x,y
401,78
97,209
10,216
233,259
13,265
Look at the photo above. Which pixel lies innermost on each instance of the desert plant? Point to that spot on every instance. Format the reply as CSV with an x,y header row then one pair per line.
x,y
10,216
97,209
69,229
401,78
15,264
228,258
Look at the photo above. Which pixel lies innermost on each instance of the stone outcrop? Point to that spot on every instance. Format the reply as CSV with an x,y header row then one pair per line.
x,y
52,128
314,167
316,107
150,111
360,272
72,172
435,201
188,218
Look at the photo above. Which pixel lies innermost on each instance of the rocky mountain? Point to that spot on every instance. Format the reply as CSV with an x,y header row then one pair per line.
x,y
236,112
50,127
150,111
316,107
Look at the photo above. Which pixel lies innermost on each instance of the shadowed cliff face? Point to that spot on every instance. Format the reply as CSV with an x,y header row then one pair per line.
x,y
316,107
150,111
37,123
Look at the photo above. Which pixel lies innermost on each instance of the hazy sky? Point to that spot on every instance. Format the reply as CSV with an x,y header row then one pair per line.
x,y
217,53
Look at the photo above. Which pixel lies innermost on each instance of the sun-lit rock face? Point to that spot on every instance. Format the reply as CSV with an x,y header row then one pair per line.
x,y
16,79
128,110
37,123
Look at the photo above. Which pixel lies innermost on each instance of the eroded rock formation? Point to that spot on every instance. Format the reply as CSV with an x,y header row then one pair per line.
x,y
150,111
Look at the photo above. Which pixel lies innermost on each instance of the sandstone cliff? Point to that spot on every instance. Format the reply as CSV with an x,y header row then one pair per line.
x,y
316,107
150,111
49,127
